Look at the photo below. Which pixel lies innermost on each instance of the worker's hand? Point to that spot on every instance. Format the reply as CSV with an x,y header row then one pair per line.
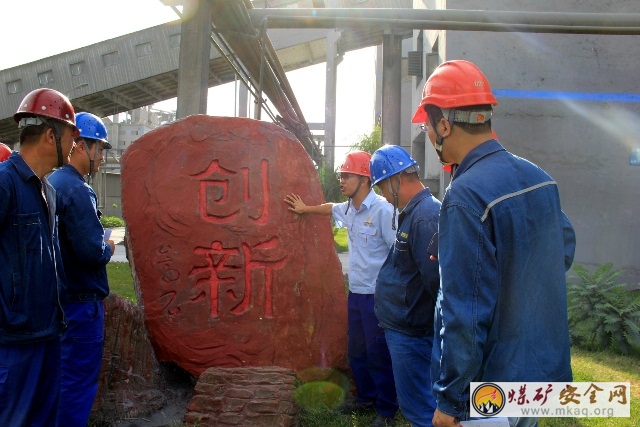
x,y
295,203
440,419
112,244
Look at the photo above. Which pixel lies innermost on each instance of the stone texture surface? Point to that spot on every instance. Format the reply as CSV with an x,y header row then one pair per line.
x,y
131,383
227,275
258,396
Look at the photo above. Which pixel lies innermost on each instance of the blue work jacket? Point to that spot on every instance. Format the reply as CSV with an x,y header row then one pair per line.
x,y
504,248
30,309
85,254
408,281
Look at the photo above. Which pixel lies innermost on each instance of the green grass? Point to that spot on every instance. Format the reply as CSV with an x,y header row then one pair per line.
x,y
327,418
340,238
587,366
603,367
120,280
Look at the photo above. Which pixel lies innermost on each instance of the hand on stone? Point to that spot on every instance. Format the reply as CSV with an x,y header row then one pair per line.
x,y
295,203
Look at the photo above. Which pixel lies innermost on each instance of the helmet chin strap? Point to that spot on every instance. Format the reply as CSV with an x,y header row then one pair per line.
x,y
395,199
360,181
58,136
55,127
440,138
92,161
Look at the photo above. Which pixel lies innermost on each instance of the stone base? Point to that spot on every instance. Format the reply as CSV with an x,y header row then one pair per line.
x,y
252,396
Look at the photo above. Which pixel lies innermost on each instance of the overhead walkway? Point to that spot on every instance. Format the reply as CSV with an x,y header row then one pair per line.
x,y
141,68
135,70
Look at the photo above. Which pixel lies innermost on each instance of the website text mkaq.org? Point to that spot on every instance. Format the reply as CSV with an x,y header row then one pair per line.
x,y
567,412
553,399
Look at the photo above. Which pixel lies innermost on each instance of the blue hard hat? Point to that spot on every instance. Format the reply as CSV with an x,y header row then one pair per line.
x,y
389,160
90,126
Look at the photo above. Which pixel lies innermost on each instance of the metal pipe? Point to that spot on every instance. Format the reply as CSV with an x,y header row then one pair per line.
x,y
464,20
226,53
259,100
238,70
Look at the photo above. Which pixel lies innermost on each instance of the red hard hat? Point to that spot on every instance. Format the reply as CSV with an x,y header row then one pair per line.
x,y
454,84
356,162
47,103
5,152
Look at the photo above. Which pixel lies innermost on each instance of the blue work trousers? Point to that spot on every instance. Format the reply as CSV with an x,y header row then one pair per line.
x,y
369,357
82,345
411,358
29,383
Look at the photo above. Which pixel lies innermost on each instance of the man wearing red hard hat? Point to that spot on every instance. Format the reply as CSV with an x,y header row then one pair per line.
x,y
504,247
31,317
370,222
5,152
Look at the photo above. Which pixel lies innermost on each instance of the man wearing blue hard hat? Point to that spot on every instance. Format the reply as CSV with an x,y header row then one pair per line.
x,y
407,285
85,254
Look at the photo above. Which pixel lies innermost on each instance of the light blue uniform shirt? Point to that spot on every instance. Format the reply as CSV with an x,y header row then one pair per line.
x,y
371,236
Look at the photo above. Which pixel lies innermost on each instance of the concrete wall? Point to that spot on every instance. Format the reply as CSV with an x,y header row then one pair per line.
x,y
108,188
568,103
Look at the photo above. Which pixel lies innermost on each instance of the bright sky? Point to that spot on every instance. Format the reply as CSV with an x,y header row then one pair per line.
x,y
47,28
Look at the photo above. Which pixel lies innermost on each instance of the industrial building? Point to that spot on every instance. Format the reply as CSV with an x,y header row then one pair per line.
x,y
563,73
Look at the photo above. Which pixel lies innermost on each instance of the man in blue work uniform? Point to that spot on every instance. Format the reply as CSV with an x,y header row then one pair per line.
x,y
408,281
85,255
31,318
504,248
369,221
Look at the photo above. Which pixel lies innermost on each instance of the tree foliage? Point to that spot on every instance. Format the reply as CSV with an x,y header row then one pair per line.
x,y
369,143
330,185
602,313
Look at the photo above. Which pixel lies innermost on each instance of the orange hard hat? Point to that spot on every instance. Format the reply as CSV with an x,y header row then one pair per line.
x,y
454,84
5,152
356,162
47,103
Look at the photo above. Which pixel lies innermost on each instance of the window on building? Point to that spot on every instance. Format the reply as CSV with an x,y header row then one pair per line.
x,y
78,68
45,78
111,58
174,40
143,49
14,86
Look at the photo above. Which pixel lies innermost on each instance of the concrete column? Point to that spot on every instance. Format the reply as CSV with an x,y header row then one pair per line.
x,y
243,99
330,97
195,47
391,77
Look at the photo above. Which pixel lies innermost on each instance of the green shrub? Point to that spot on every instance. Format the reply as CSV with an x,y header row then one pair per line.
x,y
111,221
602,313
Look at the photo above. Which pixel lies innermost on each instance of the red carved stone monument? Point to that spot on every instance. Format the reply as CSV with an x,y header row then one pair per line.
x,y
228,276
